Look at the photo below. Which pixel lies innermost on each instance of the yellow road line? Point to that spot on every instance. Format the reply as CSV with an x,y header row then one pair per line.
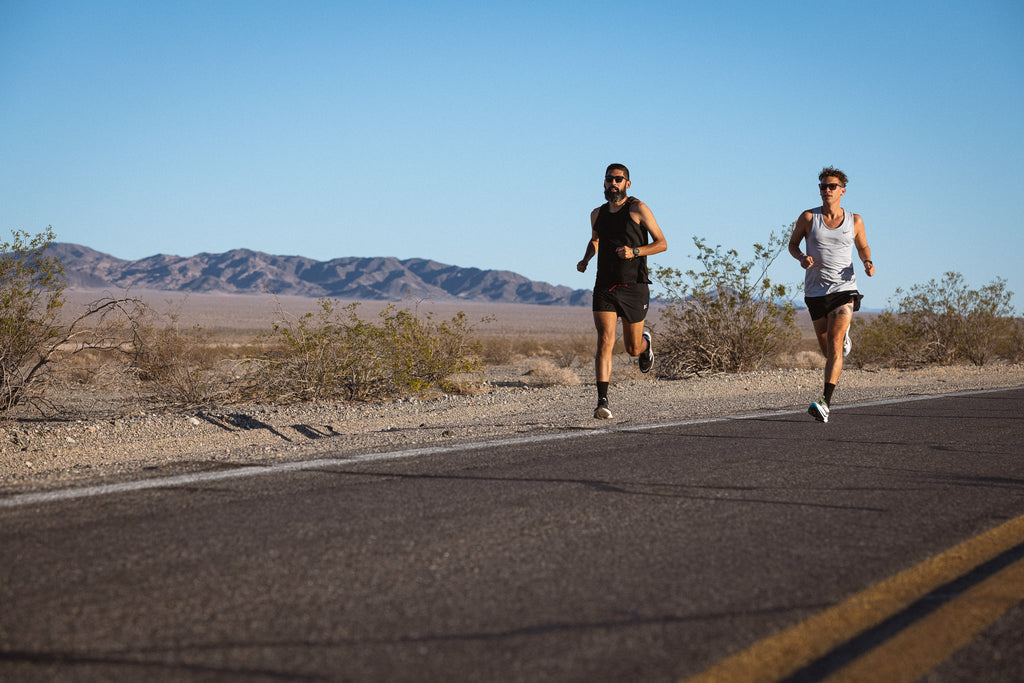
x,y
918,649
790,650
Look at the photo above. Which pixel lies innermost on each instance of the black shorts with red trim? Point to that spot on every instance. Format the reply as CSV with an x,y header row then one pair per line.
x,y
821,306
629,302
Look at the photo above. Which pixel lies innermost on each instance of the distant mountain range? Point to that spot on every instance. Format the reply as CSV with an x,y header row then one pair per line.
x,y
246,271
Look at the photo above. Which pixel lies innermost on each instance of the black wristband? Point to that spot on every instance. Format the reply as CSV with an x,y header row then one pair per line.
x,y
867,261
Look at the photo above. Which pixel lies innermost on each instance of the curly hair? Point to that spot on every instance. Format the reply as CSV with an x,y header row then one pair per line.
x,y
835,173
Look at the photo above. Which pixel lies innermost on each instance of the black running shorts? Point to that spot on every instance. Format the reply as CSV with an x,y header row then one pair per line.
x,y
821,306
629,302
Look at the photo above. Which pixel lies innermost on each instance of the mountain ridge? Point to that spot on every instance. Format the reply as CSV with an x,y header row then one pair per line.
x,y
242,271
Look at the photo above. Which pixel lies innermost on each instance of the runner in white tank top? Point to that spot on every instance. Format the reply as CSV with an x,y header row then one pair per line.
x,y
831,253
830,286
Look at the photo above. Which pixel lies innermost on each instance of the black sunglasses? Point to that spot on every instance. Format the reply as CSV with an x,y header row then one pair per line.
x,y
831,186
614,178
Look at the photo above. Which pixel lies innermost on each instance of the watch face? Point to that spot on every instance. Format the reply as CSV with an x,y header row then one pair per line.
x,y
636,251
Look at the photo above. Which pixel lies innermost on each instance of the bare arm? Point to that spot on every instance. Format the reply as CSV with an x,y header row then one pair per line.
x,y
642,214
591,245
860,240
800,231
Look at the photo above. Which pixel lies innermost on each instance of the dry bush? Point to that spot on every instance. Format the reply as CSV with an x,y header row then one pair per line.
x,y
465,384
497,350
565,351
333,354
544,373
528,347
32,338
181,365
189,365
92,367
942,323
1012,346
726,317
802,353
574,350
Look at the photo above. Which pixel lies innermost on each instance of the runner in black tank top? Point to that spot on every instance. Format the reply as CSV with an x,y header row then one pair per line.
x,y
623,234
616,230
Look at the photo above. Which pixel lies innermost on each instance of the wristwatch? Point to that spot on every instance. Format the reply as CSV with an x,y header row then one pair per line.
x,y
636,252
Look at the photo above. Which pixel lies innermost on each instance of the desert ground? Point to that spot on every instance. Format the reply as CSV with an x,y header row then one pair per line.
x,y
99,435
240,315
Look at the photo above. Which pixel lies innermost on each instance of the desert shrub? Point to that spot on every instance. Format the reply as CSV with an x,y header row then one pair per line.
x,y
942,323
726,317
32,336
801,353
333,354
565,351
497,350
181,365
31,296
100,369
1012,347
544,373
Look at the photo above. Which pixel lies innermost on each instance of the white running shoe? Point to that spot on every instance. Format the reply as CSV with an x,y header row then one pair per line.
x,y
602,412
819,411
646,359
847,345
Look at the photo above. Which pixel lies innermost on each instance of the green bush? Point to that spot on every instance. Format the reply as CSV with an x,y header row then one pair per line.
x,y
943,323
31,297
727,317
32,337
333,354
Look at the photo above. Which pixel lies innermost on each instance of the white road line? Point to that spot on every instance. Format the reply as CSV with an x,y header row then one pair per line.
x,y
20,500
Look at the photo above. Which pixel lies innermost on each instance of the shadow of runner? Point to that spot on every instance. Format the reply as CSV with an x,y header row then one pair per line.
x,y
234,422
311,432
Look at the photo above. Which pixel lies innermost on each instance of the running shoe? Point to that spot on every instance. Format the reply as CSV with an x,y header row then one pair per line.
x,y
602,412
819,411
847,344
646,359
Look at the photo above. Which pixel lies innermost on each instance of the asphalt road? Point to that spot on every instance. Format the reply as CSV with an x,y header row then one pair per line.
x,y
769,546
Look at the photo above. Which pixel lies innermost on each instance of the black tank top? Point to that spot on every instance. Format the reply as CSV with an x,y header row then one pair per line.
x,y
613,231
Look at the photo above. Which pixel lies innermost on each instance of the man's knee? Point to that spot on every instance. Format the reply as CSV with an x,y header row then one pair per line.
x,y
605,344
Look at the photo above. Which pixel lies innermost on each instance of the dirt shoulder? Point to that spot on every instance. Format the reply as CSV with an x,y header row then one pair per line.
x,y
37,455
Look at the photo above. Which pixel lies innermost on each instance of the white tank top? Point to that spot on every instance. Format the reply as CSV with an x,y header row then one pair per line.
x,y
832,251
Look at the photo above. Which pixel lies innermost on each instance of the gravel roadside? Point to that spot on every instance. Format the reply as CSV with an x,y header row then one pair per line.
x,y
39,455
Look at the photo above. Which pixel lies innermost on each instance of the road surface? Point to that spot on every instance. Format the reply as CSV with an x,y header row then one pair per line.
x,y
888,543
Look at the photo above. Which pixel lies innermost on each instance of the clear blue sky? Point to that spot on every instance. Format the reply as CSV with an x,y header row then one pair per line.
x,y
477,134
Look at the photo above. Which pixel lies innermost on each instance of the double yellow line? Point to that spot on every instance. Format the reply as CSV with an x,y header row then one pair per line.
x,y
913,650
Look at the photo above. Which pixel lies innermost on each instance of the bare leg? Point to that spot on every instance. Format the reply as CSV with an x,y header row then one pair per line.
x,y
831,331
605,322
632,337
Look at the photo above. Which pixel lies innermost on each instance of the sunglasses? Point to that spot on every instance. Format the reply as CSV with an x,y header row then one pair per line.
x,y
614,178
829,186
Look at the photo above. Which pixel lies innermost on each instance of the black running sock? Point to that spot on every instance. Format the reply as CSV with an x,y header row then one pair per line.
x,y
602,390
829,388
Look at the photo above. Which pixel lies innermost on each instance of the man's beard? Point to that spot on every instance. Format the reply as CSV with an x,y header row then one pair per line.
x,y
614,196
